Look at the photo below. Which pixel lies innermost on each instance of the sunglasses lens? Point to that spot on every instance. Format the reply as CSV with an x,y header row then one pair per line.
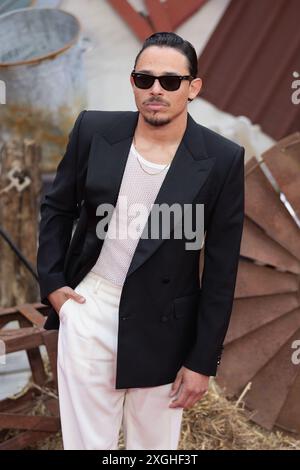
x,y
170,83
143,81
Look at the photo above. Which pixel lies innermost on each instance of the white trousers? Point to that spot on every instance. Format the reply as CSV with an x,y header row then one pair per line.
x,y
92,410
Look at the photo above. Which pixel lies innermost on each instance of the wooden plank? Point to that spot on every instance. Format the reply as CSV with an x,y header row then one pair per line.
x,y
139,25
50,338
37,305
254,280
274,380
289,416
24,439
21,404
251,313
29,312
29,423
37,366
34,357
180,11
158,15
258,246
283,160
264,207
21,184
243,358
25,340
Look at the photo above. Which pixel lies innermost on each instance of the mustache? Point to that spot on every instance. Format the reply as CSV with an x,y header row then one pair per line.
x,y
156,101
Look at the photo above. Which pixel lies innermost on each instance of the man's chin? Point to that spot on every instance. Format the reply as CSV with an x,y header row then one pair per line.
x,y
156,120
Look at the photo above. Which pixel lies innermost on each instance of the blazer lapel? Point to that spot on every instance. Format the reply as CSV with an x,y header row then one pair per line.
x,y
188,172
107,162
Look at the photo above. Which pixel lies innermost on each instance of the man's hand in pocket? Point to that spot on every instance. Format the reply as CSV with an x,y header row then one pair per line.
x,y
58,297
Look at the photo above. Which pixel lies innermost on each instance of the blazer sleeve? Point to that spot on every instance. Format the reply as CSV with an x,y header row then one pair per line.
x,y
221,257
59,208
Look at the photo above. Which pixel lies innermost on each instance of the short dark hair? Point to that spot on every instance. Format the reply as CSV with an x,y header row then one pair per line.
x,y
170,39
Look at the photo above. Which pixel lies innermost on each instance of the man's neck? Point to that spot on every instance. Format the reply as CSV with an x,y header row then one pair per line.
x,y
166,135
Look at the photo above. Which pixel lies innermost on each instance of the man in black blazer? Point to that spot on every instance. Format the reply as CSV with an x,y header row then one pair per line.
x,y
171,328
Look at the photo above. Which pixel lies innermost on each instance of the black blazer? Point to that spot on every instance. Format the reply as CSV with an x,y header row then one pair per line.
x,y
166,319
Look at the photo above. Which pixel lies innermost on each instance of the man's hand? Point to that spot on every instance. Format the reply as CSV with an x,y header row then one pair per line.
x,y
61,295
194,387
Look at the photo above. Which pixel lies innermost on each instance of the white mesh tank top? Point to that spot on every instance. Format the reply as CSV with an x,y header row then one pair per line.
x,y
137,187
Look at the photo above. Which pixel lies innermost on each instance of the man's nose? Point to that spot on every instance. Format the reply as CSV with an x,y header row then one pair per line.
x,y
156,87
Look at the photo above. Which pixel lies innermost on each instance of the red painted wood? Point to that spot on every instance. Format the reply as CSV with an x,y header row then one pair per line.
x,y
158,15
138,24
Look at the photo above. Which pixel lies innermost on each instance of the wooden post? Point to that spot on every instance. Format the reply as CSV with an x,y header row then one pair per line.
x,y
20,185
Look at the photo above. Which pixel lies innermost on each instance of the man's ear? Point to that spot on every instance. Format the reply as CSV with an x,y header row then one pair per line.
x,y
196,85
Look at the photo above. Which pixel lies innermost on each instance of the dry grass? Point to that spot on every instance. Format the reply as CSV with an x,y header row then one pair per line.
x,y
217,423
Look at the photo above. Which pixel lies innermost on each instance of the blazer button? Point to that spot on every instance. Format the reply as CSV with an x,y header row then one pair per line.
x,y
124,317
164,317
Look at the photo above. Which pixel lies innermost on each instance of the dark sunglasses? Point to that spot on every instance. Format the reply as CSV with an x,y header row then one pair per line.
x,y
168,82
